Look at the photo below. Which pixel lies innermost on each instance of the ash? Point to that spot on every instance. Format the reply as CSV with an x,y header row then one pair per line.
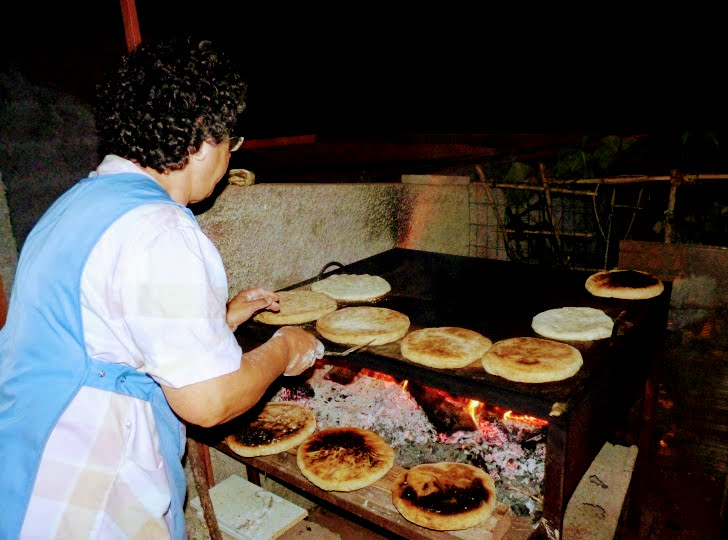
x,y
513,453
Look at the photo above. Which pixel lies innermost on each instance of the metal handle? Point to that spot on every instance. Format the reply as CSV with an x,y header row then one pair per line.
x,y
349,350
327,266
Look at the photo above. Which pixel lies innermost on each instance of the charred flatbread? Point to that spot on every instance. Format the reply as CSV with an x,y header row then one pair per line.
x,y
444,346
444,496
344,458
624,284
352,287
573,324
361,325
278,427
532,360
298,307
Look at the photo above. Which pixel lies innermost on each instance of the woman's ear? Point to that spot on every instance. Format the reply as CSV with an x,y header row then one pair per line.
x,y
199,155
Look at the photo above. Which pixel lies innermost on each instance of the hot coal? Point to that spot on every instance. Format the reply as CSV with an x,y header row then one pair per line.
x,y
426,425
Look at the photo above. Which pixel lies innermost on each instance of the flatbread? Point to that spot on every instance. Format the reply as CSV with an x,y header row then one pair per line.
x,y
444,496
298,307
352,287
624,284
532,360
573,324
278,427
360,325
344,458
444,347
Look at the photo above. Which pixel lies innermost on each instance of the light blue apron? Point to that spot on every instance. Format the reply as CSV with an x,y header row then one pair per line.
x,y
43,360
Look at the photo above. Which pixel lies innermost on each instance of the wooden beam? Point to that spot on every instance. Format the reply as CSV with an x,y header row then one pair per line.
x,y
131,24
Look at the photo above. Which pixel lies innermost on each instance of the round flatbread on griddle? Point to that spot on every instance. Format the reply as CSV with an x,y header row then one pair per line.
x,y
444,347
624,284
298,307
444,496
532,360
278,427
573,324
344,458
363,325
352,287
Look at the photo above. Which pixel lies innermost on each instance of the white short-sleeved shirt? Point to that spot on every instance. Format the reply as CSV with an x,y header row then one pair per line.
x,y
153,296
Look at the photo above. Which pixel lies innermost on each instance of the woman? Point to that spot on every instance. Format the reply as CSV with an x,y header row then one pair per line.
x,y
118,324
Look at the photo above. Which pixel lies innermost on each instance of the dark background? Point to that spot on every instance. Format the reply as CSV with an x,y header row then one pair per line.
x,y
503,67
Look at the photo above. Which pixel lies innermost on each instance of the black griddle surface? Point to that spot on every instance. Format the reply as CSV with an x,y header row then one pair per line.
x,y
497,299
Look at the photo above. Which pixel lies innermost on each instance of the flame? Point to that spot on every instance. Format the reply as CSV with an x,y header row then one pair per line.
x,y
386,378
449,398
378,375
473,406
524,419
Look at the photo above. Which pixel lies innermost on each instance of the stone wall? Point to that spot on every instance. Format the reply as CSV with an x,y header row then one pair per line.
x,y
276,235
47,142
8,249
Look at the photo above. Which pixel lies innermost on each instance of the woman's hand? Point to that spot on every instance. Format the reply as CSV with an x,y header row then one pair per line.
x,y
247,302
303,349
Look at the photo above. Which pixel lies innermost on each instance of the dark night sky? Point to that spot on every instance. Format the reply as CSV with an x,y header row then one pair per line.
x,y
507,67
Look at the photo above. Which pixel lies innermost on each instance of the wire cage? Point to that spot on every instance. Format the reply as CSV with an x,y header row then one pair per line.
x,y
573,226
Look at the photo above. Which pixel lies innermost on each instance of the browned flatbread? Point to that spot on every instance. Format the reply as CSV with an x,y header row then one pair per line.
x,y
444,496
278,427
532,360
344,458
624,284
444,347
362,325
298,307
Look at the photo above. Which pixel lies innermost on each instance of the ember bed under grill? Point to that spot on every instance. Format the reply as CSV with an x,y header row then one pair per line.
x,y
499,299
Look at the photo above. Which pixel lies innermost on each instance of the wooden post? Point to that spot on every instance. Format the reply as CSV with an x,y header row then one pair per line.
x,y
675,180
131,24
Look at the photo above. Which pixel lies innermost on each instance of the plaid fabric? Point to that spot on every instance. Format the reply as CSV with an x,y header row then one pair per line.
x,y
153,296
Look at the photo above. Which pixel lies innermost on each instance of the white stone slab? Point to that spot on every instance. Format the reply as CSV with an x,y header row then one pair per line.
x,y
249,512
594,508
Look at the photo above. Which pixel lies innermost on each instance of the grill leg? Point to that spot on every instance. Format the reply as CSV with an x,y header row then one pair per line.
x,y
199,454
253,474
555,499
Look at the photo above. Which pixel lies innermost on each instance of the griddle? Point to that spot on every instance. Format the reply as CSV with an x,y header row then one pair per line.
x,y
499,299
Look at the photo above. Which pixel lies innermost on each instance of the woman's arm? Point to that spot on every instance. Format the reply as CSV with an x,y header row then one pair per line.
x,y
290,351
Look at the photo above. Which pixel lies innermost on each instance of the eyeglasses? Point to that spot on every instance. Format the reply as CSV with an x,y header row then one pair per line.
x,y
236,143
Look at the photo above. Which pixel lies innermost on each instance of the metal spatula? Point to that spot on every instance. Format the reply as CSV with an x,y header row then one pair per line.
x,y
348,351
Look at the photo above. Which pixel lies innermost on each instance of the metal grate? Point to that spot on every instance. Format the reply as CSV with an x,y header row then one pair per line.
x,y
576,228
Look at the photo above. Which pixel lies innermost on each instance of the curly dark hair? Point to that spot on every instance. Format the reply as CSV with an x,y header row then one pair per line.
x,y
165,100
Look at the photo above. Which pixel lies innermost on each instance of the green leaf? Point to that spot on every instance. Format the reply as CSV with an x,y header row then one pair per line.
x,y
518,173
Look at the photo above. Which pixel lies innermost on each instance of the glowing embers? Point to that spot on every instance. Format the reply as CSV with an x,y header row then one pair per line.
x,y
427,425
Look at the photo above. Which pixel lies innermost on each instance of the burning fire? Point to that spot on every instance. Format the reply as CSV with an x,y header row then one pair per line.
x,y
475,408
386,378
524,419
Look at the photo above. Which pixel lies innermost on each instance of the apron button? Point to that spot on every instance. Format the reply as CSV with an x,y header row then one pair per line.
x,y
102,373
122,378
